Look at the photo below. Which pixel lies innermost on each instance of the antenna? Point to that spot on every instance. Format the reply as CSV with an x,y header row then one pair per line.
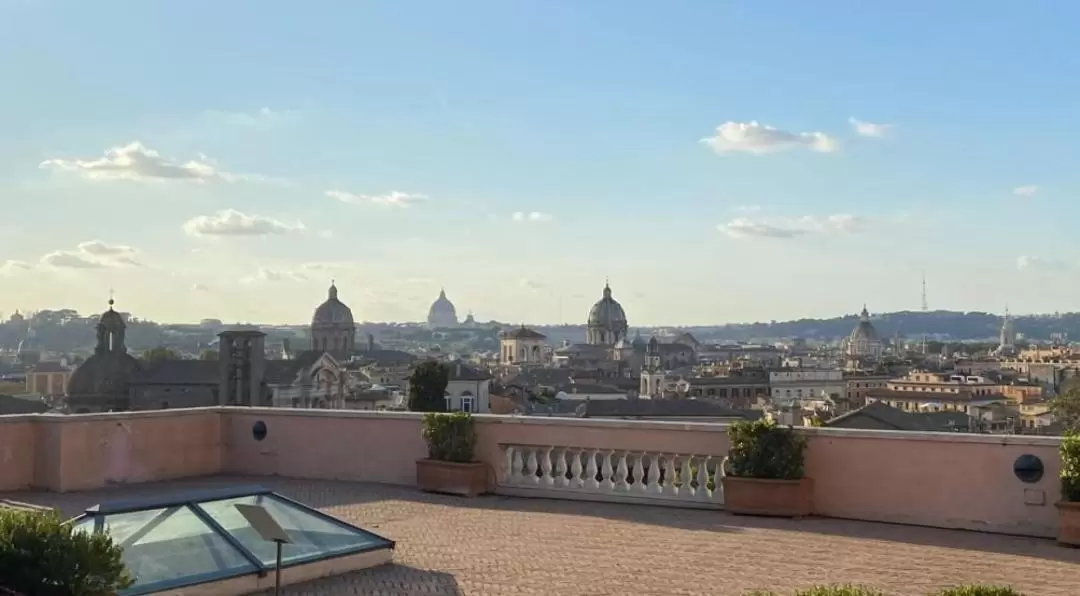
x,y
924,305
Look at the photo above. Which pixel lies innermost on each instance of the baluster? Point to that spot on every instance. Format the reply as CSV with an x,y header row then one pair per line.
x,y
516,466
508,464
640,485
530,467
609,474
669,476
591,471
686,477
652,483
703,492
718,475
576,471
622,471
560,468
545,466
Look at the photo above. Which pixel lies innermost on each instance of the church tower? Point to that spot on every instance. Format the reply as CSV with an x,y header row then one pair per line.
x,y
652,374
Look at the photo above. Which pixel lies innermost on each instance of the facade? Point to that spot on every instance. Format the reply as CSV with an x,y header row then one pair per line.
x,y
652,374
332,326
522,346
859,385
442,313
607,321
1006,337
468,389
48,379
805,384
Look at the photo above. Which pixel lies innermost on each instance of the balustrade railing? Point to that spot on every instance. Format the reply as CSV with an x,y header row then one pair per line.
x,y
690,480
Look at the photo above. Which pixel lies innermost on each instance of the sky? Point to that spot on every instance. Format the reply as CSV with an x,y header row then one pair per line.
x,y
716,161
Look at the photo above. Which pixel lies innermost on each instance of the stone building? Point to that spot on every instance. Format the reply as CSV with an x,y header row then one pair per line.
x,y
332,326
863,346
521,346
442,313
100,384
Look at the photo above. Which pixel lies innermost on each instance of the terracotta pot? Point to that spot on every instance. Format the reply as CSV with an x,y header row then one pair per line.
x,y
467,480
1068,523
764,496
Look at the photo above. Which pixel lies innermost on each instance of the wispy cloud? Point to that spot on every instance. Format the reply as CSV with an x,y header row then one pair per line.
x,y
391,199
532,216
11,267
759,139
93,254
138,162
782,228
531,284
870,129
1028,190
1036,263
264,117
267,274
231,222
200,288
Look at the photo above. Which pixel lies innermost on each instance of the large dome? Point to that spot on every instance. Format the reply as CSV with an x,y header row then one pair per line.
x,y
442,312
864,341
607,321
333,311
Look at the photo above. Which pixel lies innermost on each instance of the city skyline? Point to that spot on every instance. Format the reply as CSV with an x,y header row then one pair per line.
x,y
751,161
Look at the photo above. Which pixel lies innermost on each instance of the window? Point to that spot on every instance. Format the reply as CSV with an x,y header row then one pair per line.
x,y
467,404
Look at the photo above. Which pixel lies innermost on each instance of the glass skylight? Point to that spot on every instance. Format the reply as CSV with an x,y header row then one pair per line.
x,y
198,537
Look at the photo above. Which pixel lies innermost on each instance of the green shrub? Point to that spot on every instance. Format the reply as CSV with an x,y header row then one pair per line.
x,y
761,449
1070,467
826,591
42,556
450,437
979,590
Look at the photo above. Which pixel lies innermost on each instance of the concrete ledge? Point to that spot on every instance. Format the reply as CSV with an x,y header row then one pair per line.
x,y
542,492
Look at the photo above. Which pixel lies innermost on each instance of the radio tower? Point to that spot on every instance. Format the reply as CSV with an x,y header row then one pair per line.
x,y
925,309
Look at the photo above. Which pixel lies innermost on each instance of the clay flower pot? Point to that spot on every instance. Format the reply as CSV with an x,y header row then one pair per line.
x,y
769,497
463,479
1068,523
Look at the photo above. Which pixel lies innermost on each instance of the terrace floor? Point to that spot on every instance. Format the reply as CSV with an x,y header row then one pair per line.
x,y
499,545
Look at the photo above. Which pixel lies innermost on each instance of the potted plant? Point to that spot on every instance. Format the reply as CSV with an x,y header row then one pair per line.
x,y
764,471
1069,505
42,555
449,467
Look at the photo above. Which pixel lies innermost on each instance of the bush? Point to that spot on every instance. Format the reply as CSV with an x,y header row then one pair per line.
x,y
761,449
828,591
979,590
43,556
1070,468
450,437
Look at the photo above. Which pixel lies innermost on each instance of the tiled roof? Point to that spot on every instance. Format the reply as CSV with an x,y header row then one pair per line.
x,y
50,366
386,357
658,408
283,372
15,405
901,420
522,332
717,381
931,396
460,371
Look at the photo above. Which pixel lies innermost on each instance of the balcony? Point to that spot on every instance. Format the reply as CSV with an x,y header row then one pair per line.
x,y
592,531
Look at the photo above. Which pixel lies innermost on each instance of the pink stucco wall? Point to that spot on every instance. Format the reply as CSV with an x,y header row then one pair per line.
x,y
944,480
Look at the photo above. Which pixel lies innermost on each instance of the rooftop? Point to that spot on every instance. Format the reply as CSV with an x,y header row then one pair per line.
x,y
894,510
503,545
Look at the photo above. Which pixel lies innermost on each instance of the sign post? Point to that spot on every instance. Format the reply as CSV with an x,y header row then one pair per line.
x,y
269,530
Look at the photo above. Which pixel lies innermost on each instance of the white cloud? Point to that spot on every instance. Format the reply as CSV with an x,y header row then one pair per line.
x,y
66,259
1035,263
531,284
792,227
135,161
759,139
869,129
199,288
231,222
266,274
101,249
1028,190
11,267
391,199
534,216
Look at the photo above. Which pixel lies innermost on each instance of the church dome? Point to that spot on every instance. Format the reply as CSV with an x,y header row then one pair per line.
x,y
864,331
108,371
442,312
607,321
333,311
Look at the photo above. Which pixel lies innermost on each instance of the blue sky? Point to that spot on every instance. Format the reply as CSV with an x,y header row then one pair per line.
x,y
718,161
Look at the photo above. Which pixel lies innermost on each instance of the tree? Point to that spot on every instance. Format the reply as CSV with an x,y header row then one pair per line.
x,y
427,387
208,355
1066,406
41,555
160,353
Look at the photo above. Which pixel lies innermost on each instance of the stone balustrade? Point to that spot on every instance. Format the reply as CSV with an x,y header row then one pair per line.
x,y
591,474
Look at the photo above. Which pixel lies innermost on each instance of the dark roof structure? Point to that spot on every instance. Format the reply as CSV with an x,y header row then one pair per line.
x,y
881,416
662,408
48,366
178,372
459,371
522,332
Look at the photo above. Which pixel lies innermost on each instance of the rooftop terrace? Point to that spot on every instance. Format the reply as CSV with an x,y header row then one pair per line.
x,y
359,466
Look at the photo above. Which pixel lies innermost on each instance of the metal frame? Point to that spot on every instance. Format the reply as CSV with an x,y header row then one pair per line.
x,y
193,501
